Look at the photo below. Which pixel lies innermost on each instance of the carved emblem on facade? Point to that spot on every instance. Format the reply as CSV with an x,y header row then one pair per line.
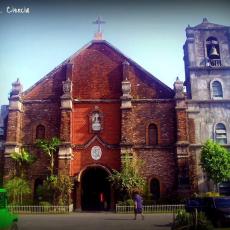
x,y
96,152
67,86
96,120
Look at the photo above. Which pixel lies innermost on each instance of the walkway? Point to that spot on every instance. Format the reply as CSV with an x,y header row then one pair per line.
x,y
95,221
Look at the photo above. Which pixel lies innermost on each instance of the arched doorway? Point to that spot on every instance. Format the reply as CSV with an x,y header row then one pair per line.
x,y
95,189
155,188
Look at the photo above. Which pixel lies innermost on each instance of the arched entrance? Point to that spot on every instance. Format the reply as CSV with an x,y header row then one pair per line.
x,y
155,188
95,189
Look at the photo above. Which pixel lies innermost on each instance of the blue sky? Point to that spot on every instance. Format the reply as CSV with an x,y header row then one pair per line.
x,y
152,33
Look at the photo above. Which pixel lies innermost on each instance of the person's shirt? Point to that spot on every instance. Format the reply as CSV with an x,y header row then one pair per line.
x,y
138,199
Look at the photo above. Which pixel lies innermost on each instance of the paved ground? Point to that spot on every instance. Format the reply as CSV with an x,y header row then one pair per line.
x,y
94,221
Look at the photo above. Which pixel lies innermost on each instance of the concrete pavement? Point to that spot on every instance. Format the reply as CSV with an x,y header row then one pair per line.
x,y
94,221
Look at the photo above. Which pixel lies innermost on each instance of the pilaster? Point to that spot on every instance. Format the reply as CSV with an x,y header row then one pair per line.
x,y
182,144
14,123
126,112
65,150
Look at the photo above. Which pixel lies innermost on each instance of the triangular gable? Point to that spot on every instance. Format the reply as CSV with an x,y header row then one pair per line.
x,y
68,60
92,140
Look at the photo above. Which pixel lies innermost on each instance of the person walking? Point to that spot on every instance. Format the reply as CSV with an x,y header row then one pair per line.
x,y
138,205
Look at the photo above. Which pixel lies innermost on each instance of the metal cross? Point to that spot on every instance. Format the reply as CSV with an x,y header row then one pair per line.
x,y
99,22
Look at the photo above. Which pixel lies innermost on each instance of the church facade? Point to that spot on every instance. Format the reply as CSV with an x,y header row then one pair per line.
x,y
101,104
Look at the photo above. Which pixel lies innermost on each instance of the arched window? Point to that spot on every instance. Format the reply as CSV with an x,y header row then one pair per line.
x,y
213,51
155,188
183,174
220,134
40,132
152,138
217,91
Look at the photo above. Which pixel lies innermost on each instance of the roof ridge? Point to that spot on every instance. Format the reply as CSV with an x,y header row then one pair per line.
x,y
206,24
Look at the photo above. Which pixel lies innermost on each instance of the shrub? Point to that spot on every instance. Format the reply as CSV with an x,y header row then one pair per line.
x,y
44,203
129,179
211,194
183,219
56,190
203,223
128,202
188,221
18,190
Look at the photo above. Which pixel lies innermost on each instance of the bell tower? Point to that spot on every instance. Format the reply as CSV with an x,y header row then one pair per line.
x,y
207,61
207,74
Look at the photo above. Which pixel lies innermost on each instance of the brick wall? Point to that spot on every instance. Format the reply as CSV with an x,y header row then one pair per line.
x,y
160,113
50,87
182,129
191,132
45,113
66,123
111,122
96,76
14,126
159,163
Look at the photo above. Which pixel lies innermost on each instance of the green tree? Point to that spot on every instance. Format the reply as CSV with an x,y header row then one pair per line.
x,y
49,147
215,161
129,178
23,159
17,190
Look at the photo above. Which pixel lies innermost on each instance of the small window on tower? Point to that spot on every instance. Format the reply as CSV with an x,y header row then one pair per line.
x,y
213,52
220,133
152,138
1,132
217,91
40,132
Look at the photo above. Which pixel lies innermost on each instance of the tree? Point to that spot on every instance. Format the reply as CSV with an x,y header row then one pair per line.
x,y
129,178
23,159
17,190
215,161
49,147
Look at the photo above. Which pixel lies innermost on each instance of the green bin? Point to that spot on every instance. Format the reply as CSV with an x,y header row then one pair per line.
x,y
8,221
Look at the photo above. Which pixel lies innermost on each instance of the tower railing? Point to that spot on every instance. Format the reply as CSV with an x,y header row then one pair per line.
x,y
215,62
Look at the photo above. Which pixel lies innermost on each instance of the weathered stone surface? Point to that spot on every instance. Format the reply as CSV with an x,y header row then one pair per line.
x,y
205,111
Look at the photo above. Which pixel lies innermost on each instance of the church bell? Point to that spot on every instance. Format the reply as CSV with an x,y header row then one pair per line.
x,y
213,52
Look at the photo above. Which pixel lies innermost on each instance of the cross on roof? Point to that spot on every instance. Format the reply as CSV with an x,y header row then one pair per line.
x,y
99,22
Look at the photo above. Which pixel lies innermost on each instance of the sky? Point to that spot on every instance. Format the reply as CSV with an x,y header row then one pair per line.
x,y
151,33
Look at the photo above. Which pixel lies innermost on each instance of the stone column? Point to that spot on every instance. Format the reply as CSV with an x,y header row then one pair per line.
x,y
13,132
65,149
190,43
182,144
126,113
